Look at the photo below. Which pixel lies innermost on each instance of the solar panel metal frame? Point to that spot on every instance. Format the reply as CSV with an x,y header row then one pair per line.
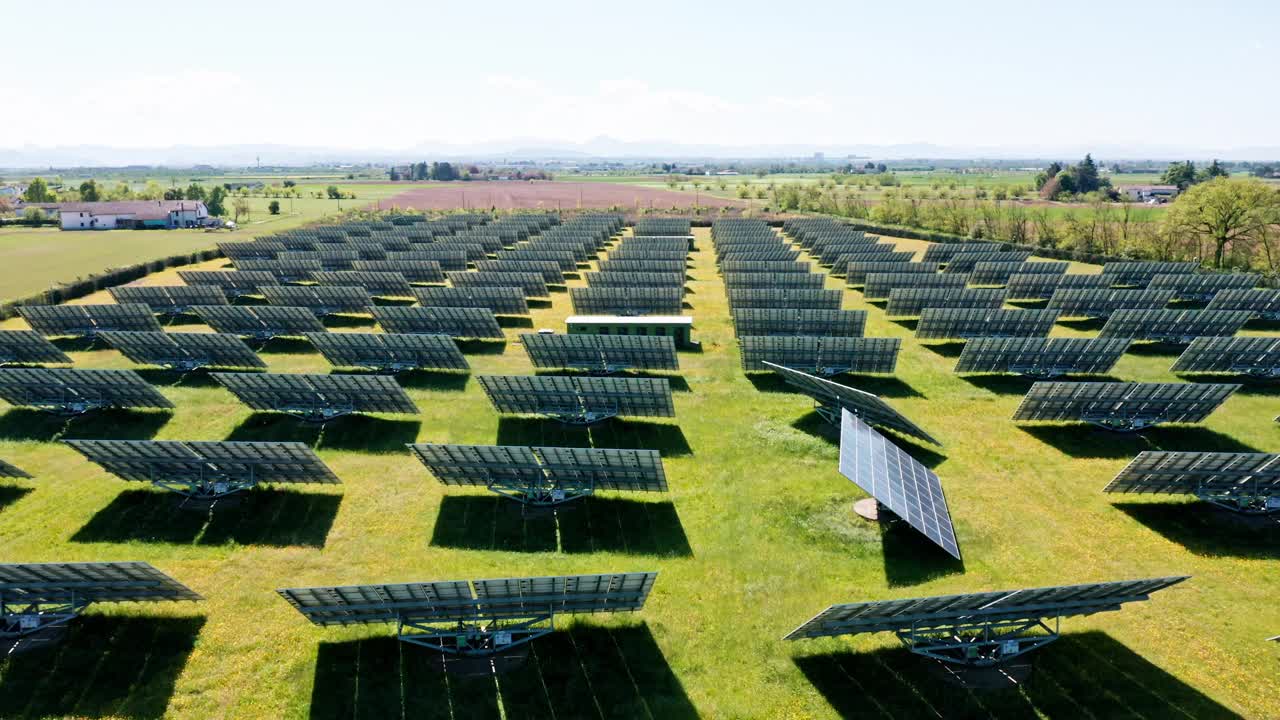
x,y
822,356
184,350
207,470
908,302
168,299
456,322
879,285
543,476
28,347
9,470
831,398
948,323
1122,406
1256,356
389,352
1262,303
579,400
320,299
601,353
318,398
627,301
67,391
498,300
1041,357
1173,326
773,280
261,322
897,481
1247,483
782,321
381,284
1102,302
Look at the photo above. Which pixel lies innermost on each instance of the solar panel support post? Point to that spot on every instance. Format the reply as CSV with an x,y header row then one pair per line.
x,y
1120,424
70,404
979,644
480,638
22,620
542,494
1034,371
318,413
207,487
1246,499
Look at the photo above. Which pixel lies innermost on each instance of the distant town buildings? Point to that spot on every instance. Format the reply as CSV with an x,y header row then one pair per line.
x,y
1150,193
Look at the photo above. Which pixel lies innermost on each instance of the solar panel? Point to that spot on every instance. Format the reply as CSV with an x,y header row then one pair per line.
x,y
655,266
12,471
448,258
897,481
627,301
1263,304
382,284
1102,302
781,321
939,323
1203,286
233,283
579,400
964,262
642,253
636,279
778,254
785,298
318,397
763,266
943,252
1257,356
450,321
320,299
1038,286
856,271
530,283
28,347
601,353
773,280
552,273
498,300
79,584
543,475
389,351
472,618
906,302
1041,357
833,397
878,285
1141,273
290,270
168,299
206,470
1244,482
820,355
1173,326
183,351
87,320
979,629
839,259
998,273
72,392
261,322
1122,405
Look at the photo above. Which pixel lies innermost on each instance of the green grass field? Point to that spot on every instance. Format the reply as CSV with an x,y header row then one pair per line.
x,y
755,537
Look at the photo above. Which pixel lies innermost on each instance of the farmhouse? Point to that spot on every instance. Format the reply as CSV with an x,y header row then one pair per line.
x,y
1150,193
133,214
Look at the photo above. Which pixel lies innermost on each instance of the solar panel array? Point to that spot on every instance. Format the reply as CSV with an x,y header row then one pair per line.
x,y
878,285
763,266
939,323
964,262
185,351
30,348
833,397
291,270
617,278
773,280
87,320
78,584
1122,405
382,284
1258,356
458,322
601,353
841,260
262,322
1102,302
318,397
320,299
998,273
897,481
1177,326
233,284
1141,273
1264,304
168,299
785,298
1041,357
820,355
70,391
627,301
448,258
1244,481
552,273
579,399
1203,286
943,252
389,351
1041,286
498,300
856,272
530,283
645,266
906,302
781,321
414,271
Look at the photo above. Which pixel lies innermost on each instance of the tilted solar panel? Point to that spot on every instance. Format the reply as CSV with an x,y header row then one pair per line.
x,y
942,252
79,584
1260,303
382,284
69,391
389,351
964,262
552,273
1173,326
654,266
458,322
601,353
10,470
906,302
320,299
834,397
1041,357
1141,273
897,481
1103,302
773,280
1041,286
185,350
447,258
635,279
530,283
763,266
29,347
937,323
318,397
414,271
293,270
498,300
1122,405
579,399
785,298
878,285
820,355
856,271
87,320
1247,482
781,254
168,299
233,283
1257,356
998,273
262,322
800,321
1203,286
627,301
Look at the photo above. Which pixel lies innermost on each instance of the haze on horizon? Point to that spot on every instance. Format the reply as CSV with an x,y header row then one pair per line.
x,y
404,75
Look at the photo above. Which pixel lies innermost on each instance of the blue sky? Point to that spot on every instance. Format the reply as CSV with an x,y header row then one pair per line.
x,y
396,74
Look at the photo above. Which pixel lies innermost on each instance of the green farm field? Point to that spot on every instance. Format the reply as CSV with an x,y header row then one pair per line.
x,y
755,537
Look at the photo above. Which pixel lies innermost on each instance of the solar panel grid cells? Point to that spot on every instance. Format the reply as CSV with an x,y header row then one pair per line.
x,y
174,299
28,346
626,301
446,258
233,283
390,351
1041,357
523,597
184,350
1179,326
834,397
481,465
636,279
904,302
414,271
364,604
1258,356
530,283
964,262
963,323
1202,286
1261,303
878,285
499,300
87,320
75,391
1121,405
321,300
550,270
262,321
780,321
1101,302
773,280
451,321
318,396
795,299
999,272
1213,474
34,583
1141,273
211,462
780,254
896,480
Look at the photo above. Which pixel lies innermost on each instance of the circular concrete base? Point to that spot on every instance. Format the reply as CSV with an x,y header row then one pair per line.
x,y
868,508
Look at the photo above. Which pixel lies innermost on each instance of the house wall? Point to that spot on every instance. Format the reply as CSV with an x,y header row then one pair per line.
x,y
84,221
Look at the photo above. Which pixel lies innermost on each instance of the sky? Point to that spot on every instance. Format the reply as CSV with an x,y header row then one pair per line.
x,y
394,75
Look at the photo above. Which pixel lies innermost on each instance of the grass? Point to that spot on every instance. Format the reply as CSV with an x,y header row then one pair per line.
x,y
755,536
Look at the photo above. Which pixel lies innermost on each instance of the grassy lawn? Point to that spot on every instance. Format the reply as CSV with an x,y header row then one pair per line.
x,y
755,537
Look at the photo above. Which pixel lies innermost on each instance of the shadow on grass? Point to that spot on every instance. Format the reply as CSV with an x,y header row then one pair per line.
x,y
107,666
482,347
677,382
514,321
1029,304
1086,441
950,349
77,344
538,303
1155,349
1263,325
199,378
489,522
182,320
444,380
570,673
385,301
261,517
1085,674
285,346
1248,385
10,495
347,321
1009,384
875,384
1084,323
669,440
909,323
1208,530
359,433
117,424
910,558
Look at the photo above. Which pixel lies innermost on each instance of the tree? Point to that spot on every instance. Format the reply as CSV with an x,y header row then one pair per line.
x,y
1181,174
333,192
1214,170
394,174
273,207
240,206
289,183
38,191
1086,176
173,194
89,191
1230,213
151,191
215,201
195,192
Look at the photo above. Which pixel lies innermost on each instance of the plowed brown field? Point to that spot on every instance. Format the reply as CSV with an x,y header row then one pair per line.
x,y
548,196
